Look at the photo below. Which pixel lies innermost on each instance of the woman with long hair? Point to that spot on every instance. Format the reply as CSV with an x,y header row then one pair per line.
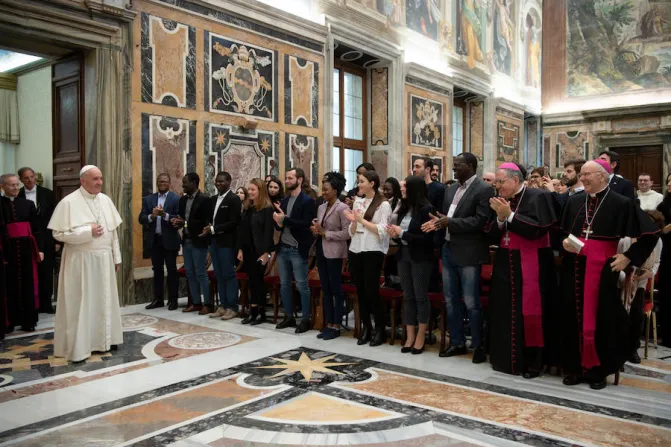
x,y
415,260
241,192
664,285
369,218
275,190
255,245
331,229
392,192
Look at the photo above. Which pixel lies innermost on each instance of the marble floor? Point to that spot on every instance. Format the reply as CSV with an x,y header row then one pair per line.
x,y
188,380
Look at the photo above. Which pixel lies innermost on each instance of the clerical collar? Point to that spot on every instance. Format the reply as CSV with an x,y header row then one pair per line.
x,y
31,190
519,190
600,193
11,198
87,194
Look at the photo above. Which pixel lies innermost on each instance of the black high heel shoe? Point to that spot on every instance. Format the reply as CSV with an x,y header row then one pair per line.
x,y
417,351
365,336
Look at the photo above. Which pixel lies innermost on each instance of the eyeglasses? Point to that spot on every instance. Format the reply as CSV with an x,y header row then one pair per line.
x,y
501,182
587,174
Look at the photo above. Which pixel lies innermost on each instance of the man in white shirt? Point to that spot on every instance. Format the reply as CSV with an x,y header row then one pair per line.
x,y
648,198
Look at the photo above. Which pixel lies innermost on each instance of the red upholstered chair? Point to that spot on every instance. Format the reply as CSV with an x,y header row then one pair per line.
x,y
273,284
243,285
650,315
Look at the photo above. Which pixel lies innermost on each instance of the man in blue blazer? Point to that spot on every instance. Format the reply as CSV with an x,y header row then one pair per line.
x,y
294,218
161,239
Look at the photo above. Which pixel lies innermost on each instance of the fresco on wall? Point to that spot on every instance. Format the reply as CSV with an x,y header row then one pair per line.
x,y
241,78
618,46
504,36
423,17
426,123
533,51
392,9
572,145
471,28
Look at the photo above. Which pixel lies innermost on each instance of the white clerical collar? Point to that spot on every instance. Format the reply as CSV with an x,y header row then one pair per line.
x,y
31,190
519,190
602,190
11,198
86,194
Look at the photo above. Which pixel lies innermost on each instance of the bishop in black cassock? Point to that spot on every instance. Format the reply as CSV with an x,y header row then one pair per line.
x,y
524,278
4,318
22,252
594,322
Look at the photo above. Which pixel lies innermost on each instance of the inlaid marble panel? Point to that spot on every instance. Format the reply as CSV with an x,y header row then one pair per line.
x,y
547,150
301,91
508,141
303,152
380,160
477,129
379,107
168,62
426,125
572,145
241,78
168,146
244,155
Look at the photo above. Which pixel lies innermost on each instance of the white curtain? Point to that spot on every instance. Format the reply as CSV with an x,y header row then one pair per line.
x,y
9,117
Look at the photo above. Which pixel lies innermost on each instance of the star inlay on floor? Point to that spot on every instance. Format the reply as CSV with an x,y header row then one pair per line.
x,y
306,366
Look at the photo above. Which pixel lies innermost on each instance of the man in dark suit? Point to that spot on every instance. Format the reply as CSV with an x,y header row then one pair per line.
x,y
465,249
618,183
161,239
195,213
294,218
226,208
45,202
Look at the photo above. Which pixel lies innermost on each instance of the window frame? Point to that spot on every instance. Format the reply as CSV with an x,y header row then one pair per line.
x,y
340,143
464,120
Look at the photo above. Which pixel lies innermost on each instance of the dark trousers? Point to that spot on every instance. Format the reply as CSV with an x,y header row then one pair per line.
x,y
160,256
223,260
368,268
45,274
415,279
330,276
256,271
636,320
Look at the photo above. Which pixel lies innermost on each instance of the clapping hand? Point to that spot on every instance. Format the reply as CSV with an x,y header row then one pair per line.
x,y
501,206
206,231
394,230
645,274
436,222
279,215
316,228
177,222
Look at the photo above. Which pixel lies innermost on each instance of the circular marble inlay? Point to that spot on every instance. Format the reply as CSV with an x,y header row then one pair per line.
x,y
204,340
137,321
5,380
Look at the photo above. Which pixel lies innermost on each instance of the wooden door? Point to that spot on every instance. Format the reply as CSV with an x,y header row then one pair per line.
x,y
68,125
638,159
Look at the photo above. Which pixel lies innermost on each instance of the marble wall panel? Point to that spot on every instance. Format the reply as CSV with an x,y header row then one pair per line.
x,y
303,152
571,145
426,125
380,160
532,141
379,106
477,129
241,78
168,145
168,62
547,150
301,91
508,140
245,155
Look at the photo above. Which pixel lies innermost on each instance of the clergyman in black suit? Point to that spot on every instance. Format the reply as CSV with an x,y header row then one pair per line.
x,y
226,213
161,239
195,213
465,250
45,202
618,183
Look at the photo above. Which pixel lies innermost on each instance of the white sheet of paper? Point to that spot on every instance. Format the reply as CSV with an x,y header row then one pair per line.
x,y
451,211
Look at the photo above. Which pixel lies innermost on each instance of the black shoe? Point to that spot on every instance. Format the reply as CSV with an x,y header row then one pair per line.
x,y
406,349
417,351
454,350
331,333
250,319
571,380
322,332
262,319
479,356
114,347
154,304
380,337
531,374
303,327
48,310
287,322
598,384
365,336
634,358
172,305
28,328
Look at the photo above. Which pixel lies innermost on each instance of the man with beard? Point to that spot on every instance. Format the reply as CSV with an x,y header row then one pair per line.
x,y
595,325
435,173
617,183
435,191
524,278
23,252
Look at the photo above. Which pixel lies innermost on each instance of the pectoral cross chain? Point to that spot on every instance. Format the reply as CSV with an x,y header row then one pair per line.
x,y
587,232
506,239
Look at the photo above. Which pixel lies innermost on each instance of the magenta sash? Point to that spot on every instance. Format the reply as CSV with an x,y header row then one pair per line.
x,y
18,230
597,253
532,308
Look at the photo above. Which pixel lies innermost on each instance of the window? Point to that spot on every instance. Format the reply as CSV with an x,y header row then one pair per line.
x,y
457,129
349,121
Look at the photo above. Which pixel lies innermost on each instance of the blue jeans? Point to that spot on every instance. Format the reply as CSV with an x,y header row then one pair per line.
x,y
458,282
195,263
330,276
292,265
223,260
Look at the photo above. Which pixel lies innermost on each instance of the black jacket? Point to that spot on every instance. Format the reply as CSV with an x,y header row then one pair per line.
x,y
170,235
622,186
201,215
226,220
420,244
256,230
300,220
46,203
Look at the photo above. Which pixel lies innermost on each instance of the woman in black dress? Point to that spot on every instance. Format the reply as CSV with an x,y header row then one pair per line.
x,y
664,273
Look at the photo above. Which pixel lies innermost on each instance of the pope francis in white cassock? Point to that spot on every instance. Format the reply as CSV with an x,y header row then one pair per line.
x,y
88,317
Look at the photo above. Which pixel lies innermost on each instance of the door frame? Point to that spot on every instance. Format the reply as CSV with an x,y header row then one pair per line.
x,y
613,142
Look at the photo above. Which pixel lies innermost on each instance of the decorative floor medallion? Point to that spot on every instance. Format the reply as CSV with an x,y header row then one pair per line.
x,y
306,366
204,340
132,322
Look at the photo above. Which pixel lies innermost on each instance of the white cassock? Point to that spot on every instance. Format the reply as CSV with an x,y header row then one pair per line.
x,y
88,317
